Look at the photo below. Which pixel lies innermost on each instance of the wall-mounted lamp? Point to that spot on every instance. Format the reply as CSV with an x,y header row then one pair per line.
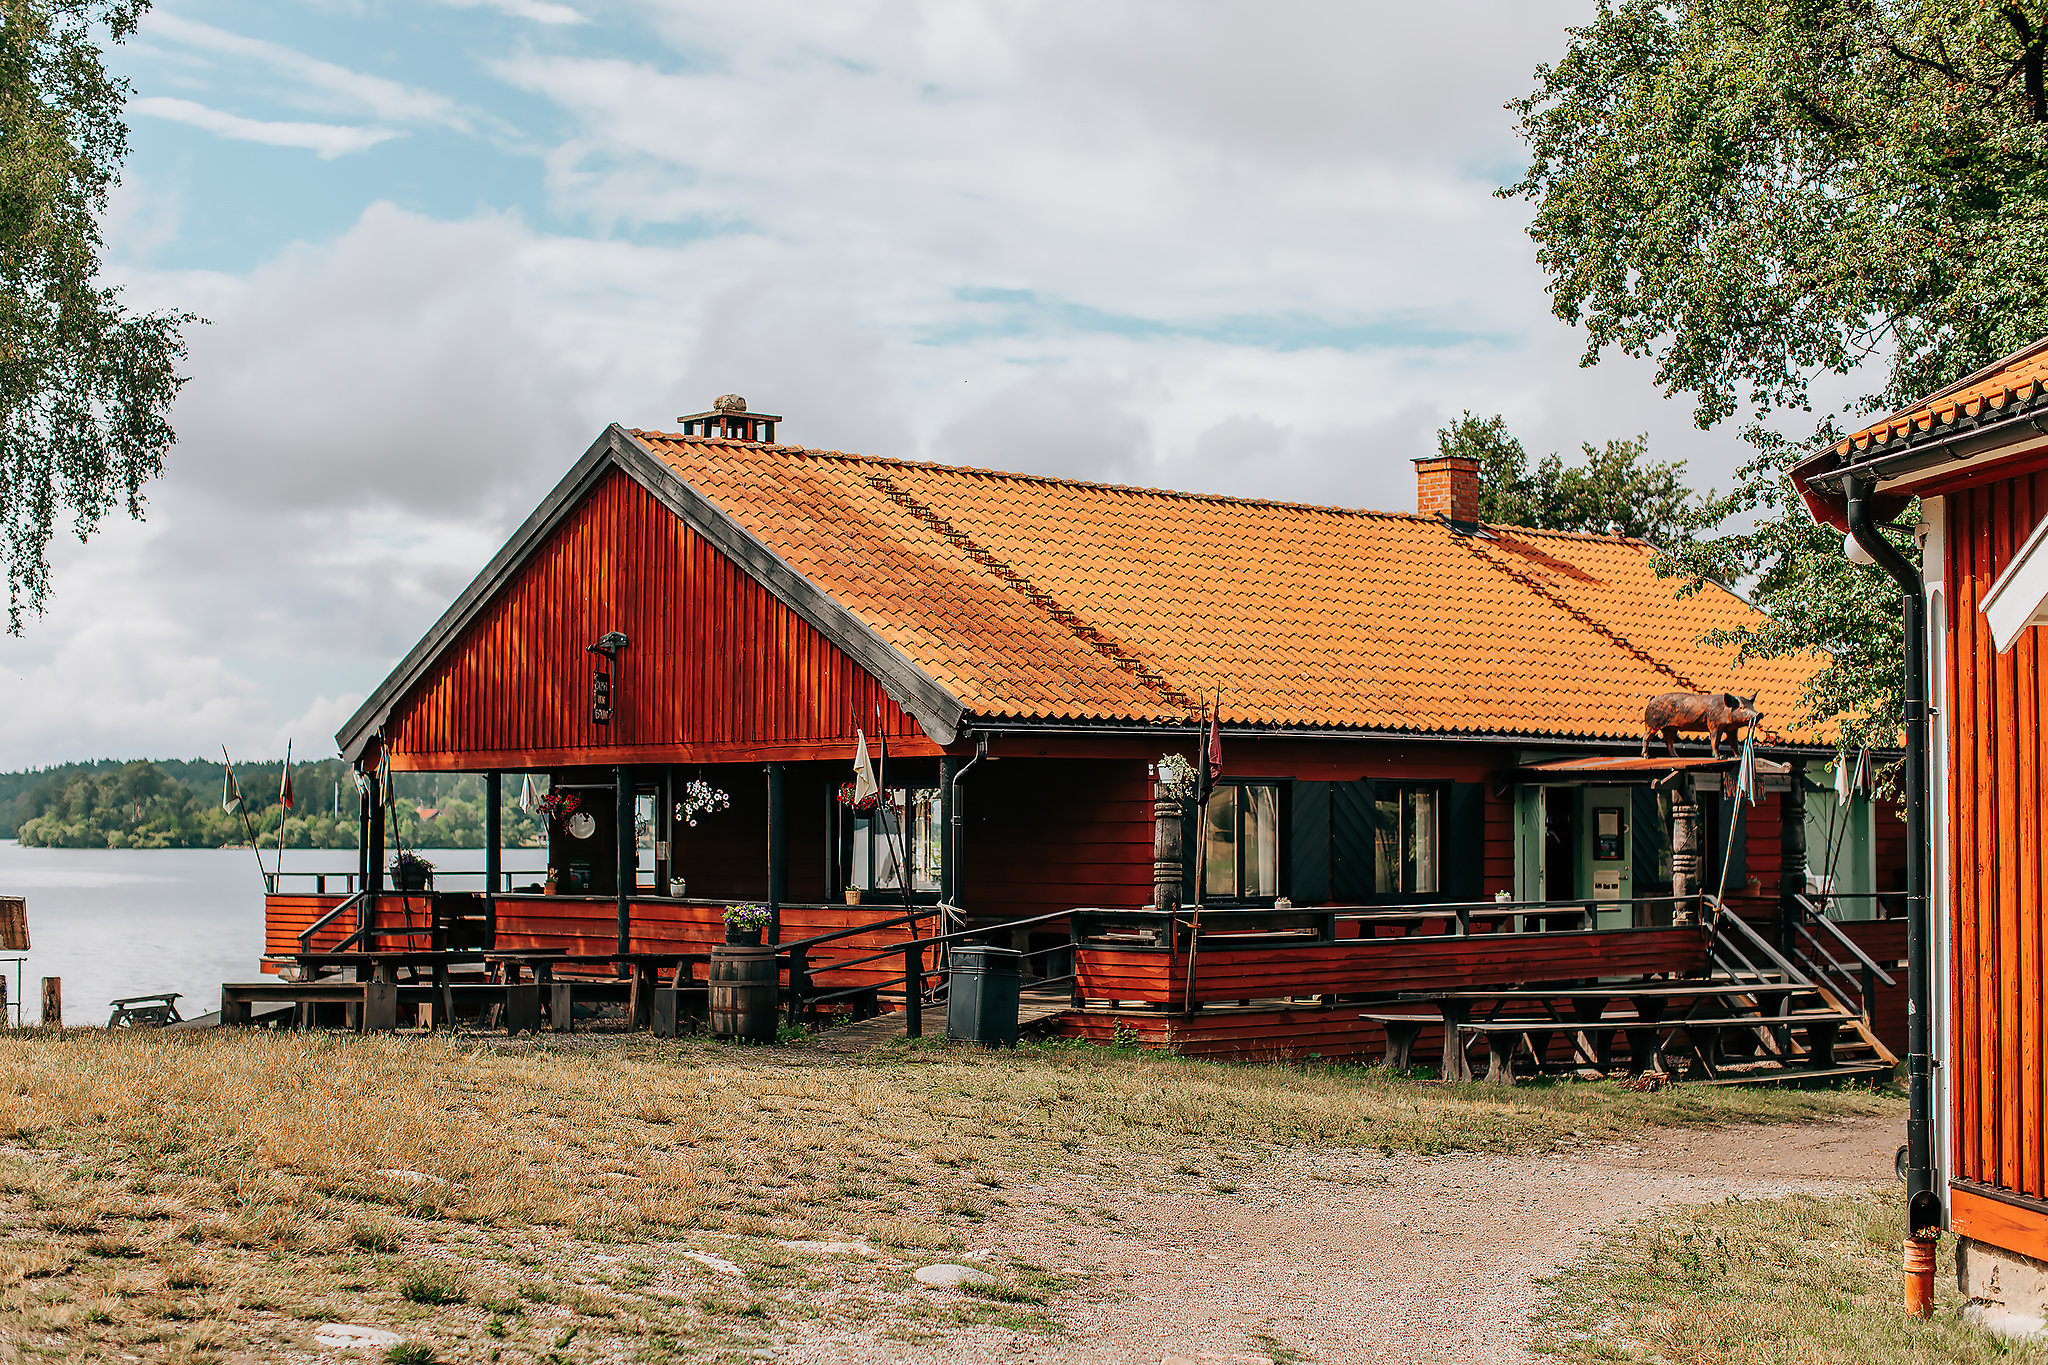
x,y
603,686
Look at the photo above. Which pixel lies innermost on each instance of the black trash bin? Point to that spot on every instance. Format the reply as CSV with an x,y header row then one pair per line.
x,y
981,998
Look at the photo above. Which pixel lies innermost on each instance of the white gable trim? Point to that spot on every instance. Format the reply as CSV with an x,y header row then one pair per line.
x,y
2020,596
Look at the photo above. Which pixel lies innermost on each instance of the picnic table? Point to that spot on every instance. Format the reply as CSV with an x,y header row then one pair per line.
x,y
1514,1016
639,994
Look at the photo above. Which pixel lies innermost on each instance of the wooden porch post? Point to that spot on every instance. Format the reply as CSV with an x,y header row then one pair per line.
x,y
622,805
778,853
493,837
373,820
949,768
1168,841
1685,852
1791,858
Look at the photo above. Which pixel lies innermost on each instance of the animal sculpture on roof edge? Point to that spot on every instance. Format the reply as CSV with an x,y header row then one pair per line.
x,y
1717,713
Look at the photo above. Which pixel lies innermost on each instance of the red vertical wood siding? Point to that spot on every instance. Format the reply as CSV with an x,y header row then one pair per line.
x,y
715,660
1995,736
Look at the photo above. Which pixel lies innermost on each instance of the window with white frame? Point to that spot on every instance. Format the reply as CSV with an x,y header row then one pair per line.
x,y
901,831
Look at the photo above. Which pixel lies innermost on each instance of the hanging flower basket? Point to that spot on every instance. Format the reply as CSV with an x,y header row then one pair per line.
x,y
1177,776
861,804
557,806
700,798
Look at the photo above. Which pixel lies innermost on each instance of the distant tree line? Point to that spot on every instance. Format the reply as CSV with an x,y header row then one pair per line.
x,y
176,803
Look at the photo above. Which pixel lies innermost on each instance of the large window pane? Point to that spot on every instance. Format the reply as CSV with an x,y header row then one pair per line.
x,y
1219,844
923,807
1386,845
902,830
1261,841
1421,841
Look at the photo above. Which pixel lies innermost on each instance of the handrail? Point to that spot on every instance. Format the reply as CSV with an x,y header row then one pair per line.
x,y
894,948
306,938
1792,973
1844,939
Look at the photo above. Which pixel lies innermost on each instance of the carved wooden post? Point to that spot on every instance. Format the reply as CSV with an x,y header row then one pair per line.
x,y
1791,858
1166,849
1685,852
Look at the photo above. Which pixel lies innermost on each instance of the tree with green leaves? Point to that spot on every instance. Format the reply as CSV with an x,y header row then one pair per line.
x,y
85,384
1754,194
1614,492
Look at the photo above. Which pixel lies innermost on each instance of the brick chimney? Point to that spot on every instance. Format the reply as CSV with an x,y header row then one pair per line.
x,y
1447,485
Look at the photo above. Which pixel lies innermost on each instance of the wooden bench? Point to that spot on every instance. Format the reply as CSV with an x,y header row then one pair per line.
x,y
1646,1037
1402,1030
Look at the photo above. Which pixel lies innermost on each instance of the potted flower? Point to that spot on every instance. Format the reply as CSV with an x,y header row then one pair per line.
x,y
554,881
852,894
862,804
744,923
411,872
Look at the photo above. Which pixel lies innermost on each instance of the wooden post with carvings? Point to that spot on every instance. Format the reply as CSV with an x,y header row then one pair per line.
x,y
1791,858
1167,842
1685,853
53,1002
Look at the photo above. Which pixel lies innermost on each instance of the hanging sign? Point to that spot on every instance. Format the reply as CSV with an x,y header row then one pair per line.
x,y
603,685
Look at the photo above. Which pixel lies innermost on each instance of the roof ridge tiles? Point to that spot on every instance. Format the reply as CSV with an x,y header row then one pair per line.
x,y
856,457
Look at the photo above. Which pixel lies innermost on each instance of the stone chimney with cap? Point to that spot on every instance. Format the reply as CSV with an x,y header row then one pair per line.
x,y
729,420
1448,486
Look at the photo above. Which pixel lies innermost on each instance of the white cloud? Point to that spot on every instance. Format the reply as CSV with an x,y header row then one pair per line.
x,y
1198,245
310,81
538,11
326,139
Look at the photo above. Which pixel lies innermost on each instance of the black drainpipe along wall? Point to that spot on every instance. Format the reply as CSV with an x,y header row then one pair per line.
x,y
1923,1205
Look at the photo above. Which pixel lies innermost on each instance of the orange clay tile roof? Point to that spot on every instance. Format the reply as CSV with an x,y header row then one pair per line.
x,y
1050,598
2016,382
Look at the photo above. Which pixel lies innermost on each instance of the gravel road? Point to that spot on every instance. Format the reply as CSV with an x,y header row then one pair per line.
x,y
1342,1257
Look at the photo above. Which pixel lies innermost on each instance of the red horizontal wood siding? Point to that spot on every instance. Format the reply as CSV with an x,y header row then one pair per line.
x,y
1050,835
1382,965
716,665
286,917
1994,733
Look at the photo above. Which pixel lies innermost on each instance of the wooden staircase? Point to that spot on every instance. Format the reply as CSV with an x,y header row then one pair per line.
x,y
1818,1031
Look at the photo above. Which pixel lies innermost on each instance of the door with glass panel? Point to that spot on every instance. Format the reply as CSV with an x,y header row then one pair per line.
x,y
1241,857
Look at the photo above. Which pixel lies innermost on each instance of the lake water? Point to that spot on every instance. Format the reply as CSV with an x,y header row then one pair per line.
x,y
116,922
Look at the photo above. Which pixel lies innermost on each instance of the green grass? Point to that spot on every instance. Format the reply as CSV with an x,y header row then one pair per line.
x,y
1794,1281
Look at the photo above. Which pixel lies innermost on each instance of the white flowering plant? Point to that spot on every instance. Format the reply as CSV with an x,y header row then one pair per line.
x,y
1177,775
700,798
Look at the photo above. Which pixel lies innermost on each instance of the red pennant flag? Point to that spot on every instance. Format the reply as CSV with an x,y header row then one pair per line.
x,y
1212,764
284,792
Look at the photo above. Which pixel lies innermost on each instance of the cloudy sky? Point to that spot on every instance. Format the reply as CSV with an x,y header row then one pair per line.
x,y
1235,247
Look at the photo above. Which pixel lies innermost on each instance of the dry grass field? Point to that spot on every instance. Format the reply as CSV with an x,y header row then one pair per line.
x,y
1764,1282
222,1195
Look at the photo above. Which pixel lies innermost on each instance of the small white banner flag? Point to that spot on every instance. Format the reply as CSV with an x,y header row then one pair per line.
x,y
863,771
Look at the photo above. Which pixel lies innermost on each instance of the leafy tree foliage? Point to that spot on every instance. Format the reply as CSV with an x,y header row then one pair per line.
x,y
1614,492
1754,193
175,803
85,385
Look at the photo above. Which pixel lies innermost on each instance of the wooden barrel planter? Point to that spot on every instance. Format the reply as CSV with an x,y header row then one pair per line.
x,y
744,999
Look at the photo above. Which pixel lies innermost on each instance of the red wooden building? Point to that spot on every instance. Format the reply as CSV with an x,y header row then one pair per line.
x,y
1418,712
1976,458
